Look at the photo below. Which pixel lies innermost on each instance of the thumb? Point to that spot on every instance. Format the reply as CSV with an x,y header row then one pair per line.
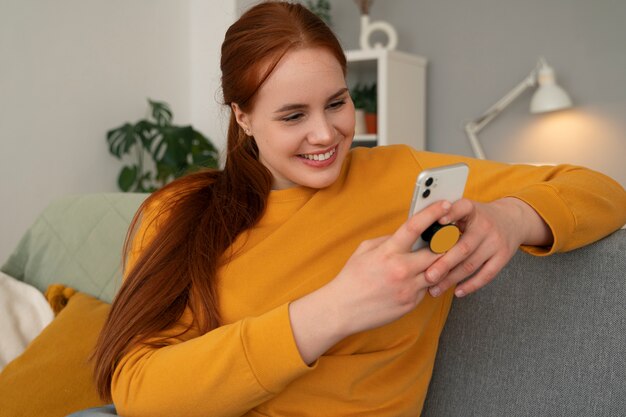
x,y
406,235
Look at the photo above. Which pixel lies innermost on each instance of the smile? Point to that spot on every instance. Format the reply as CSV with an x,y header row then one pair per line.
x,y
319,156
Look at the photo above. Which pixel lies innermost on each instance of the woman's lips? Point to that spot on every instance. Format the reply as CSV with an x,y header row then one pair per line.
x,y
321,159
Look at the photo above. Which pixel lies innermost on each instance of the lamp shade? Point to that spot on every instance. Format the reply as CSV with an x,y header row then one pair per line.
x,y
549,96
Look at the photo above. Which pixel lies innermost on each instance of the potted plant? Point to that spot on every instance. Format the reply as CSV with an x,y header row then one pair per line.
x,y
364,97
171,150
321,8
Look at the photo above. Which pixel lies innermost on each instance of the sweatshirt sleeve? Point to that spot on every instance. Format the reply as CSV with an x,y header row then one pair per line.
x,y
578,204
225,372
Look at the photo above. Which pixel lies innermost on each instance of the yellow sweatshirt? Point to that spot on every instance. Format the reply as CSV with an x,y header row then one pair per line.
x,y
251,366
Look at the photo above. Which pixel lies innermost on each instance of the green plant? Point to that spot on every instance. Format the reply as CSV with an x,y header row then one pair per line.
x,y
174,150
321,8
364,97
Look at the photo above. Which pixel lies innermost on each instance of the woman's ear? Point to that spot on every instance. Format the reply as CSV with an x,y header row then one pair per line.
x,y
242,118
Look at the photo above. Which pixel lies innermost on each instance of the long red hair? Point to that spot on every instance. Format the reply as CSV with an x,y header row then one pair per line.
x,y
200,215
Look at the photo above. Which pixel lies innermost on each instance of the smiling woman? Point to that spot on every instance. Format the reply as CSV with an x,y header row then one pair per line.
x,y
302,120
286,283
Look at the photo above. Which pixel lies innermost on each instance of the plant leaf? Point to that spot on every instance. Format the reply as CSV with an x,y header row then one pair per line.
x,y
175,150
121,139
161,113
164,172
146,131
127,178
172,149
203,153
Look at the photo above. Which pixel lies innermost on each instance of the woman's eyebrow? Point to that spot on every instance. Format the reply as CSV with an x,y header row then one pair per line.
x,y
338,93
297,106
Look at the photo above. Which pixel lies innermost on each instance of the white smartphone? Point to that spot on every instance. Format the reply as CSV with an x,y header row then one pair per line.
x,y
436,184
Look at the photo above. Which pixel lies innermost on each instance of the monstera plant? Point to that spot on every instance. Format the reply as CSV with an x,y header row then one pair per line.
x,y
321,8
159,150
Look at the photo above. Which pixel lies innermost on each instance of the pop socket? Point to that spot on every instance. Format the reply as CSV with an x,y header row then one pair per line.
x,y
441,237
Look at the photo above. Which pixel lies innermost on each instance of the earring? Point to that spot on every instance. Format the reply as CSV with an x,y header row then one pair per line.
x,y
248,132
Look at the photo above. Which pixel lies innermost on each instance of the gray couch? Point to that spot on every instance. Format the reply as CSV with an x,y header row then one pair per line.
x,y
546,338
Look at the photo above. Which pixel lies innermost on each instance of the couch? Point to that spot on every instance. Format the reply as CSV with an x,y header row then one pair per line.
x,y
546,338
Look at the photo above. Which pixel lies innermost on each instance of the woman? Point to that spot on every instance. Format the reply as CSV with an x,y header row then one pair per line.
x,y
285,284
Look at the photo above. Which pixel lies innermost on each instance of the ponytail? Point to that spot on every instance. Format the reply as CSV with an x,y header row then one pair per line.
x,y
197,218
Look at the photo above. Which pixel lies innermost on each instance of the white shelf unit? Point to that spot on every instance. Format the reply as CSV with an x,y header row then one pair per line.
x,y
401,88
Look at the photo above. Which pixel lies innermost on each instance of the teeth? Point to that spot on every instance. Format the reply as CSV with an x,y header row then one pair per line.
x,y
320,156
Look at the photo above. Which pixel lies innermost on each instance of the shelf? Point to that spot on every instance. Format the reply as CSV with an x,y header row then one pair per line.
x,y
366,137
360,55
401,85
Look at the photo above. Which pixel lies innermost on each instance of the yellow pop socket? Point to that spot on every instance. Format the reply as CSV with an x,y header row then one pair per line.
x,y
441,237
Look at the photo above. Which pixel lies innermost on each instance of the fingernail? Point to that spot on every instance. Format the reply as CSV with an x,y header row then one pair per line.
x,y
434,291
459,293
444,220
446,205
433,275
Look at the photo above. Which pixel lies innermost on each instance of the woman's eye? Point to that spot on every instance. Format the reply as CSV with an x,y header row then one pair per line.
x,y
337,104
292,117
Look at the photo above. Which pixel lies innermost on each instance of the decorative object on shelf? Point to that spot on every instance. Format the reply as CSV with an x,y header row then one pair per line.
x,y
321,8
365,98
368,28
360,127
174,150
371,123
548,97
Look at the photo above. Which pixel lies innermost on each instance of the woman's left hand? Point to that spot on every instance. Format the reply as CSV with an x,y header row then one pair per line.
x,y
492,233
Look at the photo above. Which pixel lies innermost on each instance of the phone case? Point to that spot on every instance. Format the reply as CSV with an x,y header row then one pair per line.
x,y
436,184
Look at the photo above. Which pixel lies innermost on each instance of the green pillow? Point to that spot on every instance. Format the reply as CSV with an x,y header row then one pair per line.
x,y
77,240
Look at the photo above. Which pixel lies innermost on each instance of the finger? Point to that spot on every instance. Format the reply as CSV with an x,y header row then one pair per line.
x,y
406,235
422,283
481,267
468,266
462,250
460,209
484,276
368,245
417,262
459,273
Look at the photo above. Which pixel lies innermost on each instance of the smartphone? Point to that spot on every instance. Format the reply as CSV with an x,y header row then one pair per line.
x,y
436,184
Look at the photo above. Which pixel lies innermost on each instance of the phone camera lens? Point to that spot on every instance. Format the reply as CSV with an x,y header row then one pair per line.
x,y
429,181
426,193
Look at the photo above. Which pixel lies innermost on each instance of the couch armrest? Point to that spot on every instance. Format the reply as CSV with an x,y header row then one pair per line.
x,y
547,337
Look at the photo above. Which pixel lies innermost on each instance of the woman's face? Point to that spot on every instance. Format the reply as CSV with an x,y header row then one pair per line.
x,y
302,120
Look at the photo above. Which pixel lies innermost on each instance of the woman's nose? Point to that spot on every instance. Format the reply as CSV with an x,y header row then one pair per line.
x,y
322,131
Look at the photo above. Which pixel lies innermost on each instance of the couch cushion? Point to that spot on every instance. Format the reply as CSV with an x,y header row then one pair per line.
x,y
53,376
546,338
77,240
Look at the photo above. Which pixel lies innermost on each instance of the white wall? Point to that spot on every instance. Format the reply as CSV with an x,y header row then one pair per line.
x,y
72,69
208,23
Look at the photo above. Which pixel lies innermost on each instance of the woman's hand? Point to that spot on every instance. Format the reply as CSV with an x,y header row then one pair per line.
x,y
382,281
492,232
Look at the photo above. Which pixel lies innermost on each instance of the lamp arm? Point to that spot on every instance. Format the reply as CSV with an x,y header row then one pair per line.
x,y
473,127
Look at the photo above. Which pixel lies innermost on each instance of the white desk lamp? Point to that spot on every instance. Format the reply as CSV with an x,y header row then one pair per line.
x,y
548,97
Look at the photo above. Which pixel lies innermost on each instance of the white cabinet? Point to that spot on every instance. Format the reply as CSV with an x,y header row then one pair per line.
x,y
401,86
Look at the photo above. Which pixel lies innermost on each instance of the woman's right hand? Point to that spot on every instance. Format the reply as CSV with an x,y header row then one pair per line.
x,y
382,281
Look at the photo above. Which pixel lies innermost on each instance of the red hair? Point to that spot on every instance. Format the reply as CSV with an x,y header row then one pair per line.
x,y
200,215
